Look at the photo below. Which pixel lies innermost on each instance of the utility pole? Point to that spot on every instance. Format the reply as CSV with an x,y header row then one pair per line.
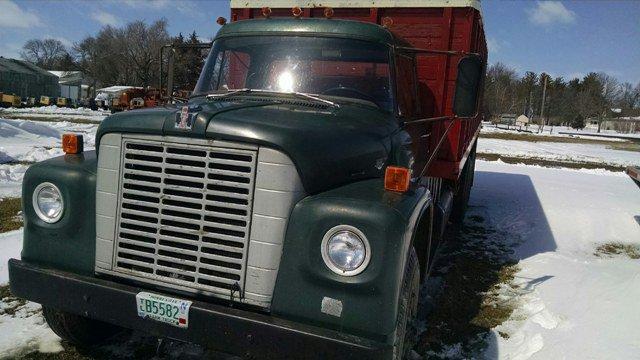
x,y
544,95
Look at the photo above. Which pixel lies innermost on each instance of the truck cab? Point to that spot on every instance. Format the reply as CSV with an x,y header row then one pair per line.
x,y
282,212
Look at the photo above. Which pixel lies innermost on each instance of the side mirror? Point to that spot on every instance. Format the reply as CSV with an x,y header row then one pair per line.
x,y
468,82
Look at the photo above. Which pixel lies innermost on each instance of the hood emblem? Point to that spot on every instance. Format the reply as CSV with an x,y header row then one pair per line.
x,y
185,119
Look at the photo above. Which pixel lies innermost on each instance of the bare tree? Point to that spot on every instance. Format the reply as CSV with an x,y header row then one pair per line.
x,y
45,53
630,96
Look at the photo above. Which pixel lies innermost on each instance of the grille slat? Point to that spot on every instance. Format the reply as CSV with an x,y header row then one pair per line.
x,y
184,214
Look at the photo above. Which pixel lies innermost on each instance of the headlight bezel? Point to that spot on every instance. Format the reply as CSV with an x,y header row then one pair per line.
x,y
324,249
36,206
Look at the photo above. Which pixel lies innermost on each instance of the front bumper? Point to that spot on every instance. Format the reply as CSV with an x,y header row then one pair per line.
x,y
219,327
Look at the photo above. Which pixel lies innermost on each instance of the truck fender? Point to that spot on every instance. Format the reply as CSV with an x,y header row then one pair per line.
x,y
68,244
364,304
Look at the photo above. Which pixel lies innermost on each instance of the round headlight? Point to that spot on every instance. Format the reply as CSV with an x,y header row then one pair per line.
x,y
47,202
345,250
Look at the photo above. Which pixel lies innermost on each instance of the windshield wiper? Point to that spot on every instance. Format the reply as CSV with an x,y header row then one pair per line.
x,y
229,93
316,98
297,94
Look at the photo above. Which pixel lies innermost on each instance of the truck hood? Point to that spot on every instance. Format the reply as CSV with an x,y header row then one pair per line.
x,y
329,146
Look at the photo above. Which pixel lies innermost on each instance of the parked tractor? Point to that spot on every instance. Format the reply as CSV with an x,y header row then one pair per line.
x,y
10,100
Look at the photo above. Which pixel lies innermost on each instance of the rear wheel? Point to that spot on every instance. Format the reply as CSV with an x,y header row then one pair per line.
x,y
407,309
79,330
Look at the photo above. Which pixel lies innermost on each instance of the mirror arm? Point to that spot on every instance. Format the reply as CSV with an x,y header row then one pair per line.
x,y
428,120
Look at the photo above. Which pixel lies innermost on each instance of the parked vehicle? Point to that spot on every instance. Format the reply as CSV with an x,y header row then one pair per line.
x,y
63,102
45,101
10,100
136,98
290,209
29,102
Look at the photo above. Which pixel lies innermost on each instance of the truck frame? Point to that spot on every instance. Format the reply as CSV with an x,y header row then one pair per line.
x,y
291,208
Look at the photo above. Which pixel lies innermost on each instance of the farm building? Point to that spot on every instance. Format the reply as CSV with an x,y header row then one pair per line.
x,y
72,84
26,80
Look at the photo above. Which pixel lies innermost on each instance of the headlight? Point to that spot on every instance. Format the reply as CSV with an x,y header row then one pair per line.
x,y
48,203
345,250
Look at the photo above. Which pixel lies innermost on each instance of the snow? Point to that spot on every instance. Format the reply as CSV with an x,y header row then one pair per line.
x,y
11,245
54,113
573,304
574,152
26,140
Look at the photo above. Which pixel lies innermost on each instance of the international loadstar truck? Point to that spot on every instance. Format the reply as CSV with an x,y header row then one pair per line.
x,y
289,209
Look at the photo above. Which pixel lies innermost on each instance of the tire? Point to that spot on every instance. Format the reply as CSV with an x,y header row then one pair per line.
x,y
79,330
407,309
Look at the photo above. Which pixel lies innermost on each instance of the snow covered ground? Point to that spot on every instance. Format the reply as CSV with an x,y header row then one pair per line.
x,y
583,153
593,151
26,141
54,112
570,300
572,303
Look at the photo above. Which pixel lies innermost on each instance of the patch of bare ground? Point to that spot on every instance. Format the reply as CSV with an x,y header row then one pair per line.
x,y
632,251
549,163
625,145
10,303
462,293
10,214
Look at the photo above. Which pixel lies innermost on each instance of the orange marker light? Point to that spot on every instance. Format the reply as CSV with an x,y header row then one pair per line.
x,y
221,21
396,179
266,11
328,12
72,144
296,11
387,22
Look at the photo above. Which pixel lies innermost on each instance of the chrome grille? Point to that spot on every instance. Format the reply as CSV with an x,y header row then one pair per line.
x,y
184,214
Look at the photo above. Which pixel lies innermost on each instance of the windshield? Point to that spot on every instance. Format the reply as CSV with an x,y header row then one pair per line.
x,y
327,67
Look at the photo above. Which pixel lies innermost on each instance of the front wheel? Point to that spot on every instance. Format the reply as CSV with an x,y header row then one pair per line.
x,y
79,330
407,309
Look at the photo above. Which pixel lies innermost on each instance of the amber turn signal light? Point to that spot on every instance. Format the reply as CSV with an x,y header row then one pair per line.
x,y
72,143
397,179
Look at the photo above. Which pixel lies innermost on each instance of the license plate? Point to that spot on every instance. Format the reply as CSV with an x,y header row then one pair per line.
x,y
163,308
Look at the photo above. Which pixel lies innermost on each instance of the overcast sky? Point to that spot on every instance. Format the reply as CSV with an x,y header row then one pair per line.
x,y
568,38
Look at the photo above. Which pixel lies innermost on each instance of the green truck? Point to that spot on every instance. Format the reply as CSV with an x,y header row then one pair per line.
x,y
289,209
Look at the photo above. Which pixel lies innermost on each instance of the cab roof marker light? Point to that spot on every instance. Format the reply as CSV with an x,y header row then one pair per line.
x,y
296,11
266,12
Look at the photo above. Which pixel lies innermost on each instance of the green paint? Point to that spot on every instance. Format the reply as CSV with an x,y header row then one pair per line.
x,y
369,300
70,243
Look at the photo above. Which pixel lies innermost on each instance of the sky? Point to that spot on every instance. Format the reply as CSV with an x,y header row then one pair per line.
x,y
562,38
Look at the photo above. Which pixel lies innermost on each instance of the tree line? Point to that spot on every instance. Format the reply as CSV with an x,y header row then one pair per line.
x,y
130,55
597,96
127,55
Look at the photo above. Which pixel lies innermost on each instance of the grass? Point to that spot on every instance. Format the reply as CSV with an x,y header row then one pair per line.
x,y
549,163
9,218
615,145
476,265
612,249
